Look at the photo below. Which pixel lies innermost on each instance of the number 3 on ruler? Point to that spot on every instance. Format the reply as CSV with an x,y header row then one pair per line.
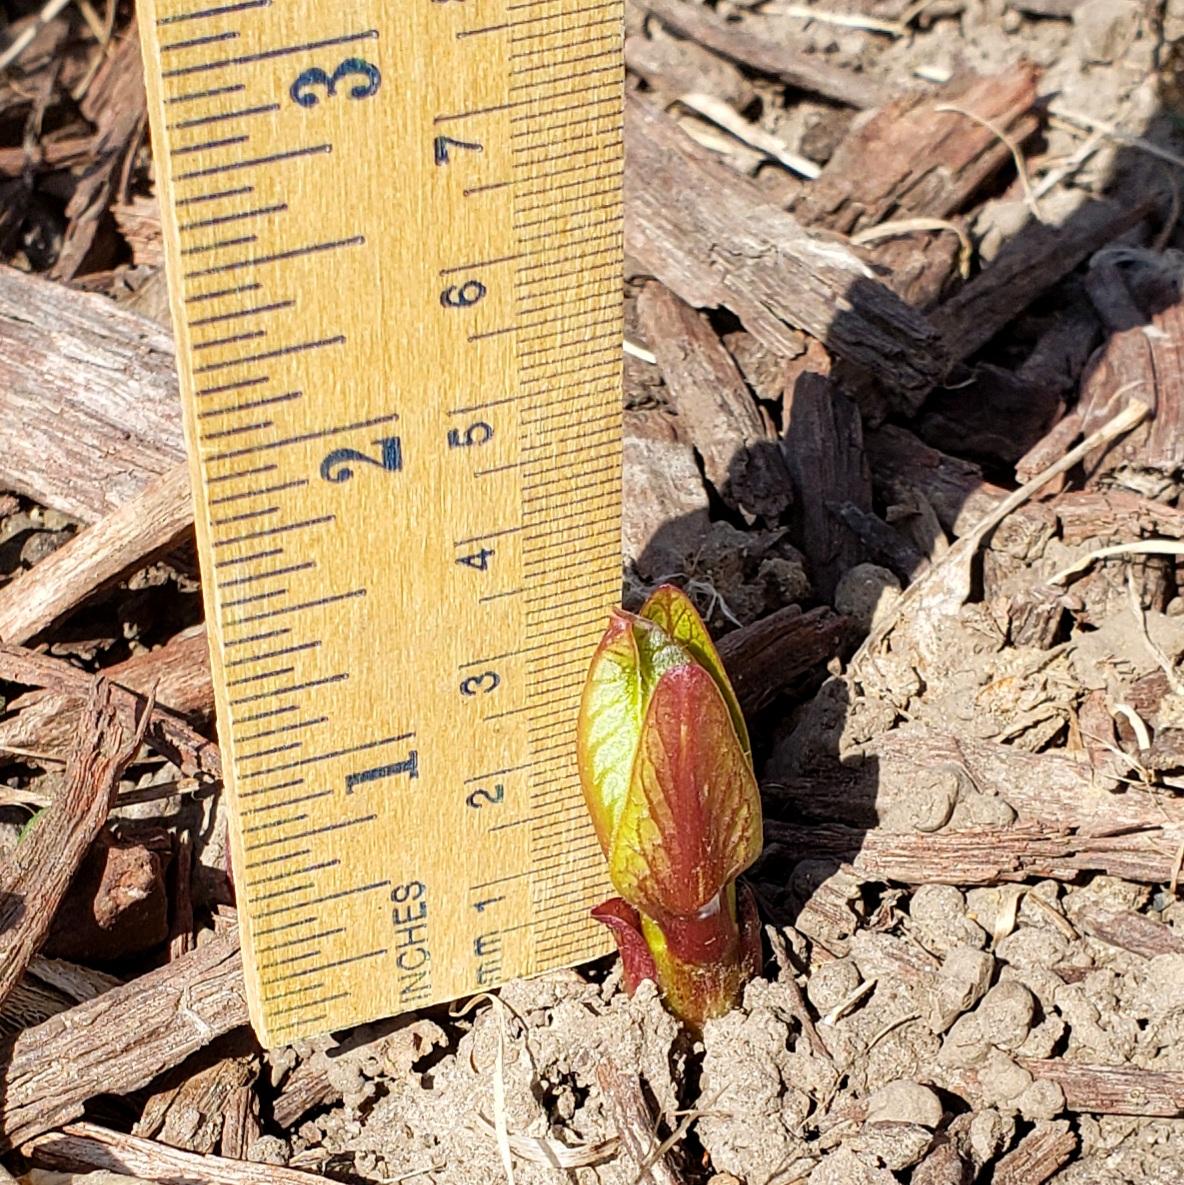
x,y
302,92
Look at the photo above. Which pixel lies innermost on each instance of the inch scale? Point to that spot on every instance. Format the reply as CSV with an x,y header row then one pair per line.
x,y
394,245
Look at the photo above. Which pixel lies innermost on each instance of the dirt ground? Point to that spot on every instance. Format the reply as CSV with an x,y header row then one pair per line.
x,y
952,606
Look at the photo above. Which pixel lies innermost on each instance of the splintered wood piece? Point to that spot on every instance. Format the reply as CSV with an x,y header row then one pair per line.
x,y
956,489
1128,930
1113,1090
634,1123
241,1127
171,737
114,102
769,656
50,986
716,412
823,448
153,520
666,507
121,1040
191,1113
985,855
1038,1155
882,543
1049,790
711,236
769,56
94,388
35,877
1141,359
1031,263
678,67
46,722
306,1087
913,160
86,1147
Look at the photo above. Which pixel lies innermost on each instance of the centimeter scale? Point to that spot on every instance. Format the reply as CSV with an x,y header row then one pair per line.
x,y
394,246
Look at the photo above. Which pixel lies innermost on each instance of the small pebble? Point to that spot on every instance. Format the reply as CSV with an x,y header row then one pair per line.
x,y
866,593
961,983
831,984
1006,1014
904,1101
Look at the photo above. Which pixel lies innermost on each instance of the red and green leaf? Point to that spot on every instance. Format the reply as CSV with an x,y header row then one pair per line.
x,y
671,609
691,820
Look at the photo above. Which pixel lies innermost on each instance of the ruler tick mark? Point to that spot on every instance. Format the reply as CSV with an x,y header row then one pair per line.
x,y
473,337
497,773
329,897
268,54
263,950
287,925
254,162
257,555
320,757
372,954
275,823
256,736
268,715
223,388
228,341
239,518
474,189
513,592
282,352
241,430
275,806
295,253
300,648
286,893
259,310
463,33
193,96
258,678
315,604
488,535
300,991
222,244
287,397
271,574
468,267
208,145
312,954
461,411
220,10
218,293
320,434
280,860
199,198
282,530
224,117
246,699
264,596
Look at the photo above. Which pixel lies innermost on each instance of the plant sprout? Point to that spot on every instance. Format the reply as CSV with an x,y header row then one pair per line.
x,y
666,768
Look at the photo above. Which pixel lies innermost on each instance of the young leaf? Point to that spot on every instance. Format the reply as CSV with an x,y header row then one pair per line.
x,y
625,923
627,664
671,609
609,724
691,819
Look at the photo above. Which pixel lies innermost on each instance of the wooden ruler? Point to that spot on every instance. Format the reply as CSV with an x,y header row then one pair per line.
x,y
394,244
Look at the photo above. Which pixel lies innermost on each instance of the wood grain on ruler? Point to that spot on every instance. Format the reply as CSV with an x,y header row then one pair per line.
x,y
394,239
